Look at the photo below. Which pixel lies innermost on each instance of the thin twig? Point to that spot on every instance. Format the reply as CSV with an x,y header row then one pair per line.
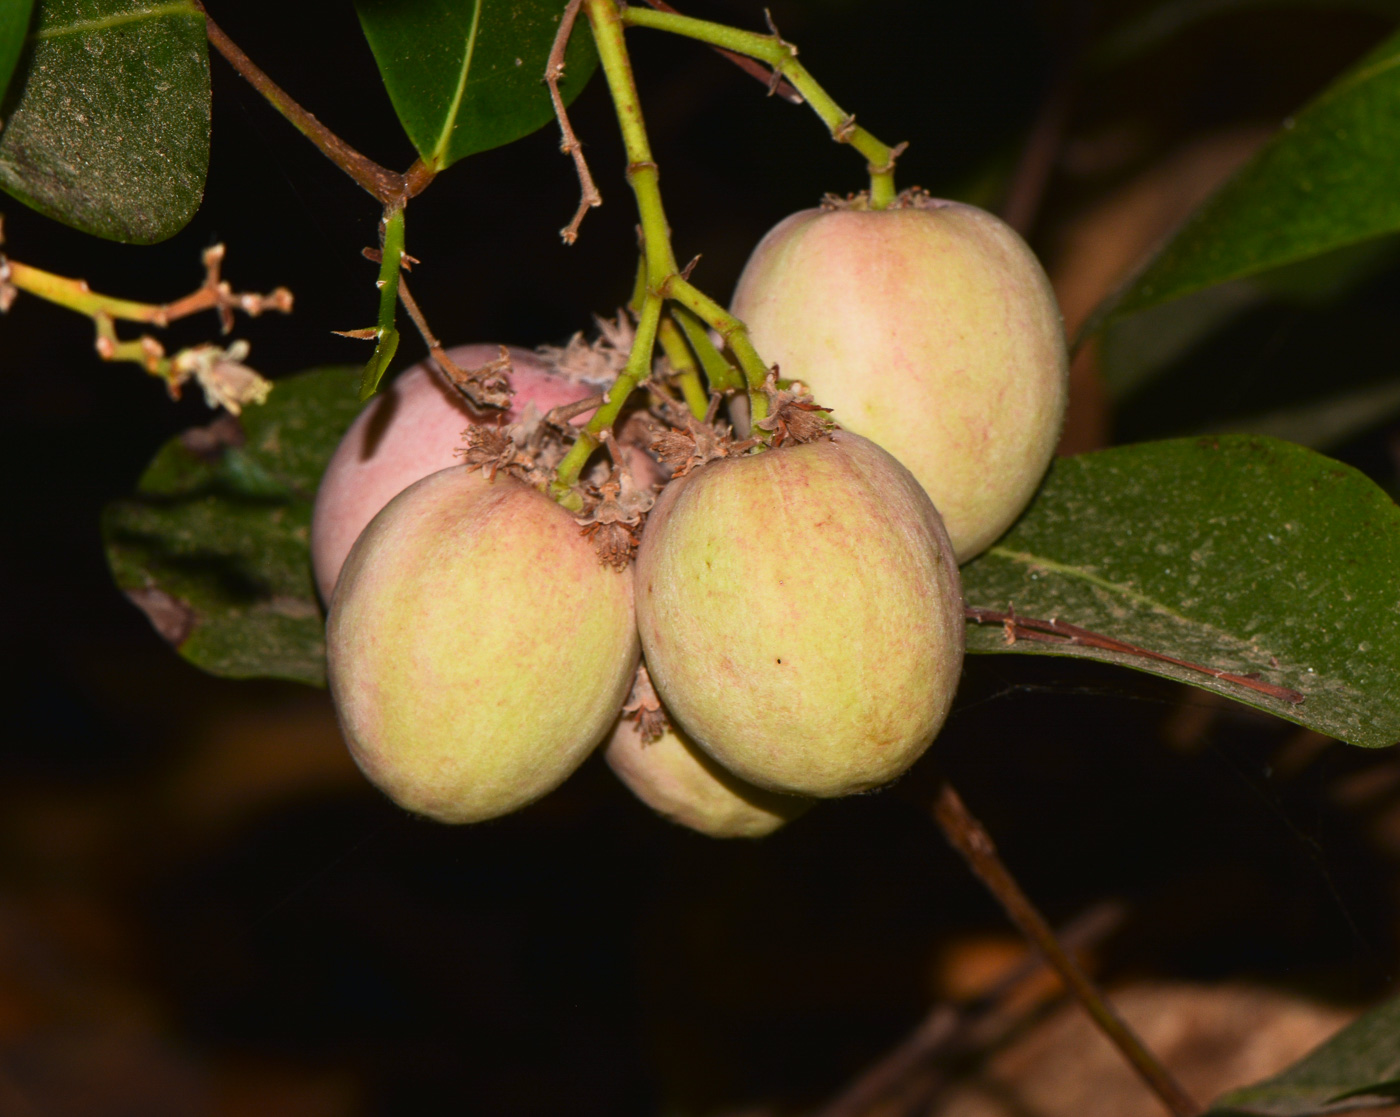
x,y
771,78
972,841
384,184
553,71
485,387
950,1029
1056,631
1032,174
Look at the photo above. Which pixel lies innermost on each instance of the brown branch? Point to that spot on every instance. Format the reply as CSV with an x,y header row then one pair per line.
x,y
972,841
386,185
1032,174
553,71
487,387
950,1029
755,69
1056,631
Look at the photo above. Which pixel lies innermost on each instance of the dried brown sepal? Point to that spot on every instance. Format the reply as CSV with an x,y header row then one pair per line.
x,y
614,521
486,386
527,450
682,449
489,449
644,708
598,361
915,197
793,416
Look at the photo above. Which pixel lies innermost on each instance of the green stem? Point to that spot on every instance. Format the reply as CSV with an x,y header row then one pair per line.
x,y
735,334
637,369
723,376
390,263
773,51
687,368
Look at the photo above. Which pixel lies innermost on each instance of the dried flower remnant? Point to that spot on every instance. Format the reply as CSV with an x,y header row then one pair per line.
x,y
599,360
486,386
643,707
527,449
687,448
226,381
793,416
613,523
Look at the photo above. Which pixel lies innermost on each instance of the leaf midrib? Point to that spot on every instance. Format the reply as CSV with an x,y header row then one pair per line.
x,y
181,7
440,148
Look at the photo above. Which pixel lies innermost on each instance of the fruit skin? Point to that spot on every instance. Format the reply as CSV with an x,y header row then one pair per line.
x,y
477,649
409,430
931,330
677,780
801,614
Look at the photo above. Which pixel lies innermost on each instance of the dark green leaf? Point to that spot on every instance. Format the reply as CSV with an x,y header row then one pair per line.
x,y
1326,180
1242,554
14,23
107,126
1358,1068
468,75
1163,22
214,543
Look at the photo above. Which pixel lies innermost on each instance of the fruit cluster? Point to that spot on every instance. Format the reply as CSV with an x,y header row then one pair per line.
x,y
794,595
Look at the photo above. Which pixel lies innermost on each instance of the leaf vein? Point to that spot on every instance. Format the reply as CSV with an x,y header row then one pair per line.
x,y
180,7
450,123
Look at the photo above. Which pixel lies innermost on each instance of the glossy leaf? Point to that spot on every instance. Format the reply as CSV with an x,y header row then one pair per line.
x,y
214,544
1358,1068
468,75
14,24
107,122
1239,553
1326,180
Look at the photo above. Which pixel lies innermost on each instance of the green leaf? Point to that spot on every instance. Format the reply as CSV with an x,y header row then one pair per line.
x,y
1242,554
14,22
1358,1068
214,544
107,128
1326,180
468,75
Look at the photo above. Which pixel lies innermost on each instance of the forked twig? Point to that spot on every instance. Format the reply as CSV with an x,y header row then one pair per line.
x,y
972,841
1056,631
553,71
775,81
955,1030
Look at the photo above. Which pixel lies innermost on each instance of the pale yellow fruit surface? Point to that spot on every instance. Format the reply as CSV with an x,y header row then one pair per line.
x,y
932,331
801,615
478,650
680,782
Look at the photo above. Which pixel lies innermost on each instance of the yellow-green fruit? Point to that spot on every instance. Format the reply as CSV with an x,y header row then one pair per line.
x,y
679,782
478,650
801,614
931,330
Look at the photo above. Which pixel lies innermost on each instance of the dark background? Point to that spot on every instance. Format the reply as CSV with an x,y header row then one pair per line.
x,y
204,908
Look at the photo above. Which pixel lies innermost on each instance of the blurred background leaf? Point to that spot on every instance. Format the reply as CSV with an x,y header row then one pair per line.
x,y
214,545
1358,1068
1324,181
14,23
469,76
106,127
1242,554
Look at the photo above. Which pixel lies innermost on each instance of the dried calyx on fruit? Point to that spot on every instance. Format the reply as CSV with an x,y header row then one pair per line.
x,y
929,328
411,429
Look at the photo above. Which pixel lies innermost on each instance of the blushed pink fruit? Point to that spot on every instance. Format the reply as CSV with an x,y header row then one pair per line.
x,y
677,780
931,330
801,614
409,430
477,649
